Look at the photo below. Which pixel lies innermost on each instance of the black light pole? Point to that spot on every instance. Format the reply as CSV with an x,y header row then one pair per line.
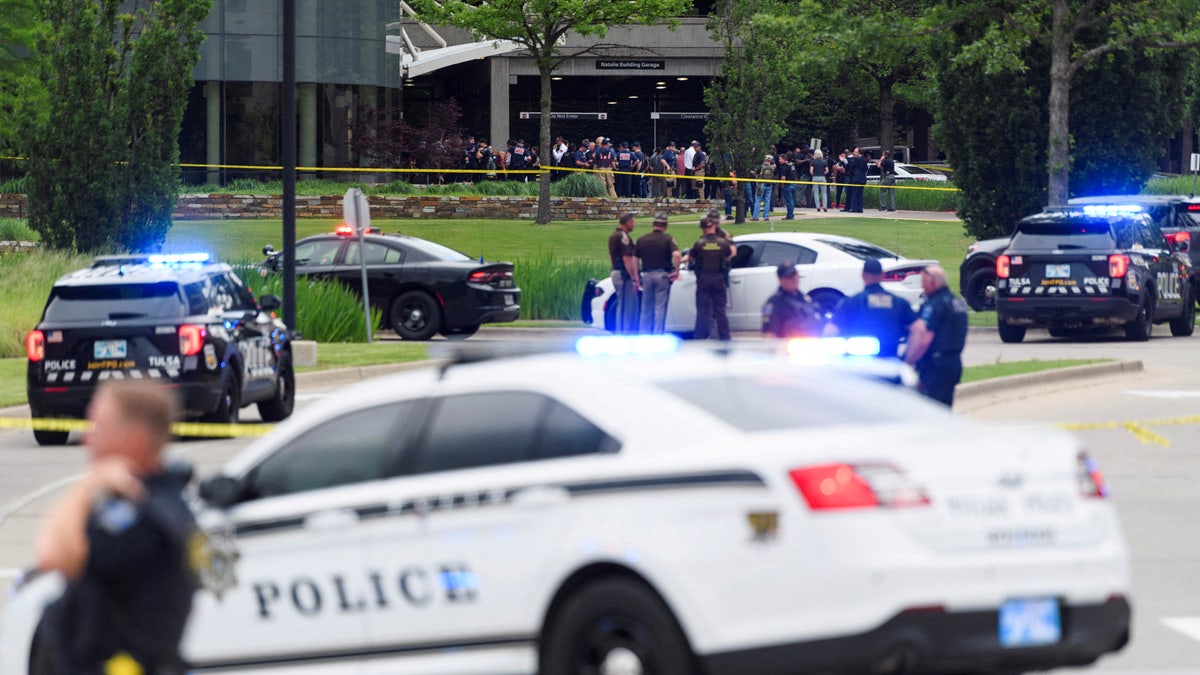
x,y
289,163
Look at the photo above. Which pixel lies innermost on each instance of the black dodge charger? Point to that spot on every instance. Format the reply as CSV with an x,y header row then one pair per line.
x,y
421,287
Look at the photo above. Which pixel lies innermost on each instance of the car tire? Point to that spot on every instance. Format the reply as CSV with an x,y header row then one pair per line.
x,y
1010,334
610,314
614,625
279,407
1142,326
230,405
826,301
47,437
981,290
415,316
1185,324
460,333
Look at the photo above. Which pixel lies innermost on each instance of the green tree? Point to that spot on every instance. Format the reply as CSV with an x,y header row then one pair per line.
x,y
1074,34
539,26
754,92
101,131
18,36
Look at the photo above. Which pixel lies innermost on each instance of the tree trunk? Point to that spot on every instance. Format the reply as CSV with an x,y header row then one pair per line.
x,y
1059,150
887,116
545,151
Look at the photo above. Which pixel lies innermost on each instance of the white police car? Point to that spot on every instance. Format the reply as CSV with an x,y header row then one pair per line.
x,y
830,269
625,512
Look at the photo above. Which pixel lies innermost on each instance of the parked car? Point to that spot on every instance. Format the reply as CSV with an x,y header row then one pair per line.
x,y
830,269
907,172
421,287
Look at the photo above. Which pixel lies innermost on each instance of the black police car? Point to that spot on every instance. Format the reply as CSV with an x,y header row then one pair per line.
x,y
1075,268
422,288
175,318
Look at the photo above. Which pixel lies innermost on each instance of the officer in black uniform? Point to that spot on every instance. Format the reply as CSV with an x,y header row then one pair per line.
x,y
874,313
936,339
625,167
710,257
124,539
789,313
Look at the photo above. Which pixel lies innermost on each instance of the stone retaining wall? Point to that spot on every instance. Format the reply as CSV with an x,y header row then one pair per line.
x,y
220,206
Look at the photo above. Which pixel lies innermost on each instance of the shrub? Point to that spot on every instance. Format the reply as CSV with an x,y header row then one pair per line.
x,y
326,311
25,281
552,288
508,188
396,187
12,229
579,185
15,186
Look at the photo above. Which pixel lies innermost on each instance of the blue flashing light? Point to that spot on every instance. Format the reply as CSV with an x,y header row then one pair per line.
x,y
623,346
177,258
1111,209
826,350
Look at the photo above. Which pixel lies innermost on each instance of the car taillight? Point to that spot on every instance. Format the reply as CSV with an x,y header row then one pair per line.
x,y
1177,238
191,339
1118,265
35,345
488,277
902,273
856,486
1003,264
1091,482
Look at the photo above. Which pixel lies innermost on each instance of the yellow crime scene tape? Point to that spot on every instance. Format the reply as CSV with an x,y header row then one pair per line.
x,y
181,429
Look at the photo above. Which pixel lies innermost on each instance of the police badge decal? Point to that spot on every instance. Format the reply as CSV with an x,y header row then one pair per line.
x,y
213,559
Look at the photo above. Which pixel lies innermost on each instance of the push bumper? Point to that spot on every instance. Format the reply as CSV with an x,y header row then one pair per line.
x,y
939,642
1078,312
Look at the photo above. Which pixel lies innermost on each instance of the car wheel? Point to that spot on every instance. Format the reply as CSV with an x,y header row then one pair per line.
x,y
460,333
227,410
47,437
610,314
826,301
1185,324
614,626
981,290
1010,334
415,316
279,407
1142,326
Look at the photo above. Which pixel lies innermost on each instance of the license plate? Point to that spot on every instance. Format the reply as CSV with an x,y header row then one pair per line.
x,y
110,349
1058,271
1030,623
508,299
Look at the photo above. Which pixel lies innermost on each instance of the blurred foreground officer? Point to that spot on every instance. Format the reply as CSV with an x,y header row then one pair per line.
x,y
875,313
122,538
710,257
937,337
624,274
789,313
660,266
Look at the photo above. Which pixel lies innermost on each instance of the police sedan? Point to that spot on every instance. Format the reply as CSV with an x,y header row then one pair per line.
x,y
626,511
830,269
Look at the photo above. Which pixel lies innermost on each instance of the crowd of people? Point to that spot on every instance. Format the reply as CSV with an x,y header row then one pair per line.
x,y
932,339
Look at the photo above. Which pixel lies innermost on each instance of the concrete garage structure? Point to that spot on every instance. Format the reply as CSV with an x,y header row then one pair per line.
x,y
643,83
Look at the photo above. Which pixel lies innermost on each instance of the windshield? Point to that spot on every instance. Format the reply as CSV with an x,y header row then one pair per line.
x,y
859,249
916,169
787,400
428,250
119,301
1062,235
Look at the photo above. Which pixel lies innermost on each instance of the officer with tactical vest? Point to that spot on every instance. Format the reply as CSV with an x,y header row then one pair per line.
x,y
936,339
625,160
874,313
710,257
604,158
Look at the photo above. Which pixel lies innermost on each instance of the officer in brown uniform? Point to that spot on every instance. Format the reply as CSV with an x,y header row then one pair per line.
x,y
709,257
660,266
621,251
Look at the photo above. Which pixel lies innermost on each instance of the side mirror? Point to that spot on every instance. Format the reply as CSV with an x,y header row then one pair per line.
x,y
1182,245
270,302
221,491
268,249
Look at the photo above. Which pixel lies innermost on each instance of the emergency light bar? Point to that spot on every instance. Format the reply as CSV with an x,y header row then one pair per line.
x,y
832,348
620,346
177,258
1111,209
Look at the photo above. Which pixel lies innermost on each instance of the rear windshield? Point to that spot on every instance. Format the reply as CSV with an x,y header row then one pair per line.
x,y
1063,235
785,401
1189,213
859,249
120,301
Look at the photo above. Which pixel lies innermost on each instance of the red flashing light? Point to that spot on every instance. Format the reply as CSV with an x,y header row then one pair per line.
x,y
191,339
1178,237
35,345
1193,207
344,230
1003,266
856,486
1118,265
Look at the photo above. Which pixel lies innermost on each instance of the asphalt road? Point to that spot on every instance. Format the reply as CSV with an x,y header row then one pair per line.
x,y
1154,474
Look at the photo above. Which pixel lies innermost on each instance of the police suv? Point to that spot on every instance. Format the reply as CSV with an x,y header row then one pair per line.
x,y
1075,268
627,510
176,318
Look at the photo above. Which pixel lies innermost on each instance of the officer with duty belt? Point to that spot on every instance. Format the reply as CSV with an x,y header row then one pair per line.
x,y
621,252
660,266
874,313
936,339
710,257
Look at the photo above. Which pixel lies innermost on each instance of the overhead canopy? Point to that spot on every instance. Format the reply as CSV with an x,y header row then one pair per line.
x,y
416,61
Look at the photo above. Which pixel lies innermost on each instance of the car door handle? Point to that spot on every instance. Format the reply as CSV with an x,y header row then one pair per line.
x,y
329,521
541,497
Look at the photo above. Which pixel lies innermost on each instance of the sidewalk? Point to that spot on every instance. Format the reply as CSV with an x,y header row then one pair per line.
x,y
803,214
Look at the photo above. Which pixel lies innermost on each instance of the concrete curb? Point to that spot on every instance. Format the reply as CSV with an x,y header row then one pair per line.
x,y
333,376
998,384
